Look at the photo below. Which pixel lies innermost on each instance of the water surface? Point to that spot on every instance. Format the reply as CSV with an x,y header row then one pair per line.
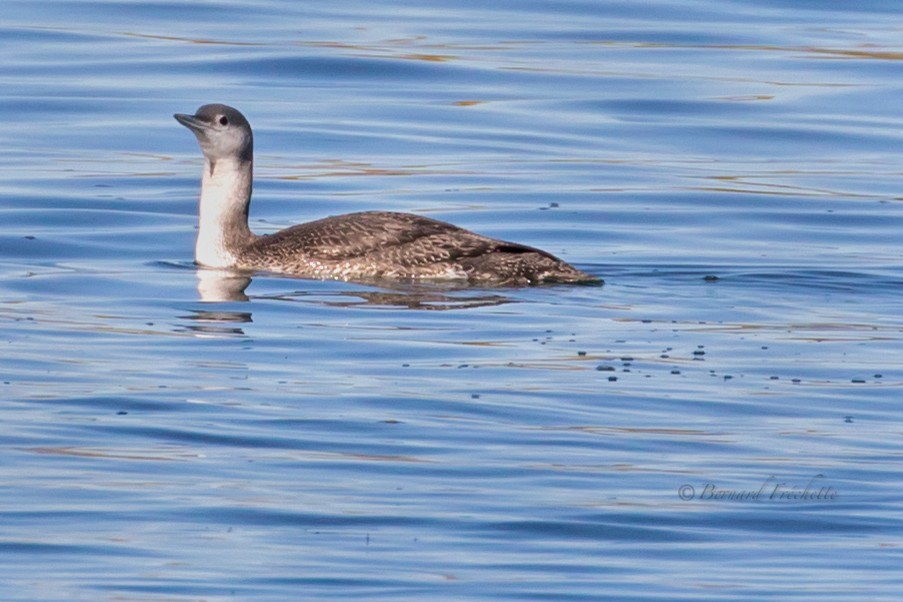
x,y
719,421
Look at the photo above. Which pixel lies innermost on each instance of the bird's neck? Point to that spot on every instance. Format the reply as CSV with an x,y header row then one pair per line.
x,y
223,225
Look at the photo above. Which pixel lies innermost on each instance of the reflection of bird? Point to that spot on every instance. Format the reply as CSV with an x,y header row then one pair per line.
x,y
368,245
221,285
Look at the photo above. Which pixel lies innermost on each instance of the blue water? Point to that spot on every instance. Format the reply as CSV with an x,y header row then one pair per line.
x,y
720,421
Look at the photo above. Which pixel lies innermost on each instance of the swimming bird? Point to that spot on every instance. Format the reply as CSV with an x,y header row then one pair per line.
x,y
363,246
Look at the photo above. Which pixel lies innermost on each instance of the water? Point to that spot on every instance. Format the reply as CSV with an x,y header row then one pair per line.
x,y
719,421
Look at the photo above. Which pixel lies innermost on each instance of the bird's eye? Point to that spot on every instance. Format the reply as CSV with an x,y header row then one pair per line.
x,y
223,120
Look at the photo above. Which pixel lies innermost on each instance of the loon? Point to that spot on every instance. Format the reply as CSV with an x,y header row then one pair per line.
x,y
363,246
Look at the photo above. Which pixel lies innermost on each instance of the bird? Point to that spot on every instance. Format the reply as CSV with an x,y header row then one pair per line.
x,y
363,246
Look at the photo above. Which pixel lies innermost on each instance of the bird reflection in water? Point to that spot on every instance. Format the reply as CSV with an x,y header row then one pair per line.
x,y
218,286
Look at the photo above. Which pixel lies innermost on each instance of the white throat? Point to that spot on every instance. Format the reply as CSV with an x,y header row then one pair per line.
x,y
223,215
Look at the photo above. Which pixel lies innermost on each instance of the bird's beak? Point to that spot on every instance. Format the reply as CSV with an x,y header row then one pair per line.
x,y
192,122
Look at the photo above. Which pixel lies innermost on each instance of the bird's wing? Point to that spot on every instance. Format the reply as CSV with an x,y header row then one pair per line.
x,y
404,238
